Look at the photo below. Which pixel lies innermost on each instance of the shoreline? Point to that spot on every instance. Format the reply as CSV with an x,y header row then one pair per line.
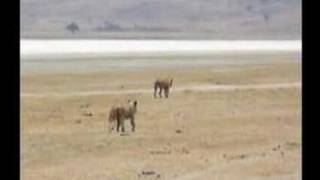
x,y
69,47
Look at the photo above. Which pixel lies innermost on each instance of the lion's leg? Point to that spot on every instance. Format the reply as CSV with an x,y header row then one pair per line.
x,y
166,92
160,92
118,124
111,126
133,124
122,124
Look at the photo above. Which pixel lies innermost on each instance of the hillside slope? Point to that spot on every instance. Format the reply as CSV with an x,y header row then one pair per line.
x,y
218,19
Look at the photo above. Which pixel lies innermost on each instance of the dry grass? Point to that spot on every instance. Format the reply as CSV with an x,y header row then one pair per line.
x,y
135,79
191,135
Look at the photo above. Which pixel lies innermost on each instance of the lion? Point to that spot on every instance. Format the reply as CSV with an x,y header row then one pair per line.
x,y
118,114
162,84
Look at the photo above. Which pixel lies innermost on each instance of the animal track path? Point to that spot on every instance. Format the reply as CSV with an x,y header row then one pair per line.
x,y
202,88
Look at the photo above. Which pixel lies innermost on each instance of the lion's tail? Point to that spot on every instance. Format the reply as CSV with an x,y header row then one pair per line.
x,y
155,87
110,118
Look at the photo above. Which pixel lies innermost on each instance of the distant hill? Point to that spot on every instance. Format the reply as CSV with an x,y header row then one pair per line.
x,y
161,19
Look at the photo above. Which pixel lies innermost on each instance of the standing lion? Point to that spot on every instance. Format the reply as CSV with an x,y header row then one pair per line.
x,y
118,114
162,85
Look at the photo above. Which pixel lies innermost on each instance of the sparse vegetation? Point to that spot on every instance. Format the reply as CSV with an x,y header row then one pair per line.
x,y
164,19
189,135
72,27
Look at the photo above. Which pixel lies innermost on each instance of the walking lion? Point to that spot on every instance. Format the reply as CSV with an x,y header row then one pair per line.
x,y
162,85
119,113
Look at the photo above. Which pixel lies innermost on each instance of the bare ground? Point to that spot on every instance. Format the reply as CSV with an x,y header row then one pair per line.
x,y
201,88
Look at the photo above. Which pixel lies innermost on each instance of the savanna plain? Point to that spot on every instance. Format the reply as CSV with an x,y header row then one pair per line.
x,y
226,133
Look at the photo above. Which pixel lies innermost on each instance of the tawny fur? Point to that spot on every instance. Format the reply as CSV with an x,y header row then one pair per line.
x,y
162,85
118,114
